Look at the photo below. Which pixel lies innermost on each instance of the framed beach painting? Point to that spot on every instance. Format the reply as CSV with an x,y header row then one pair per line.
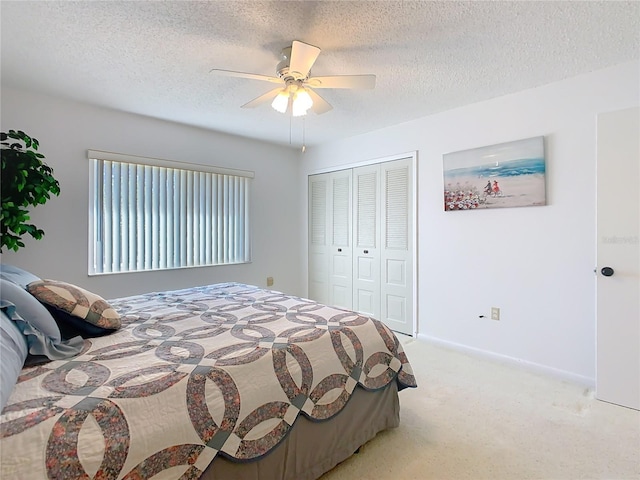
x,y
508,174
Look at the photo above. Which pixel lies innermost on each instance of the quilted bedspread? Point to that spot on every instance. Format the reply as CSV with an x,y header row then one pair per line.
x,y
223,369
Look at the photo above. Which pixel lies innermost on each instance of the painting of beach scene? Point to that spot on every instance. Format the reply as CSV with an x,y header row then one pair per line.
x,y
508,174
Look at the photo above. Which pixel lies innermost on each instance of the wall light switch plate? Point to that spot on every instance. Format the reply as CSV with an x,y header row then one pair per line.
x,y
269,281
495,313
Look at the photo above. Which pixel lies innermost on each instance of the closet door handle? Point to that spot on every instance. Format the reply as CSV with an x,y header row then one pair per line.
x,y
366,251
339,249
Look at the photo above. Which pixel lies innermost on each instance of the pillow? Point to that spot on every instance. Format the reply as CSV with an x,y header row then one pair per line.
x,y
40,346
17,275
72,326
13,349
30,309
76,309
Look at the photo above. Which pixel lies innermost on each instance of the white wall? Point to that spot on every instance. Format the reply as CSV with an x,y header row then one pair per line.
x,y
535,263
67,129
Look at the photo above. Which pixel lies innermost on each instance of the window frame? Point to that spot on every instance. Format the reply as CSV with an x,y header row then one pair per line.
x,y
225,175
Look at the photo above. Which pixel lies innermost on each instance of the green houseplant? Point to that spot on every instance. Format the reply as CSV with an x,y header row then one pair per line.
x,y
25,181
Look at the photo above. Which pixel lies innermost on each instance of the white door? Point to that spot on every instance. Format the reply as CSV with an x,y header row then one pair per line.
x,y
366,251
319,238
340,264
618,289
396,252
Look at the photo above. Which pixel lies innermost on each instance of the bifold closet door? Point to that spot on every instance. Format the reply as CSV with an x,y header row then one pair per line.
x,y
396,252
361,225
340,270
330,231
383,251
366,252
319,215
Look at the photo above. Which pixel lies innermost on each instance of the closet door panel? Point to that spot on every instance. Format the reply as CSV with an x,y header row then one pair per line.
x,y
319,237
396,286
366,251
340,251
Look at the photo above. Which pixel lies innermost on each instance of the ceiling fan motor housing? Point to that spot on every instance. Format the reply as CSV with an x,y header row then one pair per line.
x,y
282,69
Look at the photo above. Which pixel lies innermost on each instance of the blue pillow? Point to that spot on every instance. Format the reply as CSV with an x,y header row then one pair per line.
x,y
30,309
13,349
17,275
39,344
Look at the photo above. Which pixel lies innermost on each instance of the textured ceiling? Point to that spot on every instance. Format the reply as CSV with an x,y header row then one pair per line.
x,y
154,58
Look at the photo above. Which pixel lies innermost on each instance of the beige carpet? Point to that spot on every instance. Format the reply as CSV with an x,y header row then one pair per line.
x,y
472,418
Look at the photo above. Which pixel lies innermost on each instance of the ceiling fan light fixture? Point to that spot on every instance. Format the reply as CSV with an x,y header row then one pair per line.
x,y
281,102
301,102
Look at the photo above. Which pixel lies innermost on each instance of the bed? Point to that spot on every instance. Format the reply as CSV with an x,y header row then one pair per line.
x,y
226,381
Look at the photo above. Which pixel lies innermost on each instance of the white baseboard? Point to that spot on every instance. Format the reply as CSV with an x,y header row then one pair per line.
x,y
525,364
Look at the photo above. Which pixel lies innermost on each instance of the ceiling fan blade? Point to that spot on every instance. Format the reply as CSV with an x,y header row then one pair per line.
x,y
270,95
303,56
252,76
343,81
320,105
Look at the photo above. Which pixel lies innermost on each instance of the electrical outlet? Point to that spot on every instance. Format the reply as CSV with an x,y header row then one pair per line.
x,y
495,313
269,281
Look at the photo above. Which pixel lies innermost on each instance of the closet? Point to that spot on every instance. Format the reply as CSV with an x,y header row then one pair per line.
x,y
361,241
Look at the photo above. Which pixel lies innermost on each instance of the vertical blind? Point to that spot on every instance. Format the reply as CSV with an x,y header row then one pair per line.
x,y
147,217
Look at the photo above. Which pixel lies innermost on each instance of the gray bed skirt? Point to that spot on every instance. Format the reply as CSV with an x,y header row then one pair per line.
x,y
313,448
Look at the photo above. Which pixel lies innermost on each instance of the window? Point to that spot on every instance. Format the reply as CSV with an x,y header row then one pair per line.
x,y
148,214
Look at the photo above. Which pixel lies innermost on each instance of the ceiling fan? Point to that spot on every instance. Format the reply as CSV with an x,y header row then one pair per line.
x,y
296,91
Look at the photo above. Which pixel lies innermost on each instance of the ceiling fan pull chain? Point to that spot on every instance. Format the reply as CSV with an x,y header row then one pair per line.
x,y
304,126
